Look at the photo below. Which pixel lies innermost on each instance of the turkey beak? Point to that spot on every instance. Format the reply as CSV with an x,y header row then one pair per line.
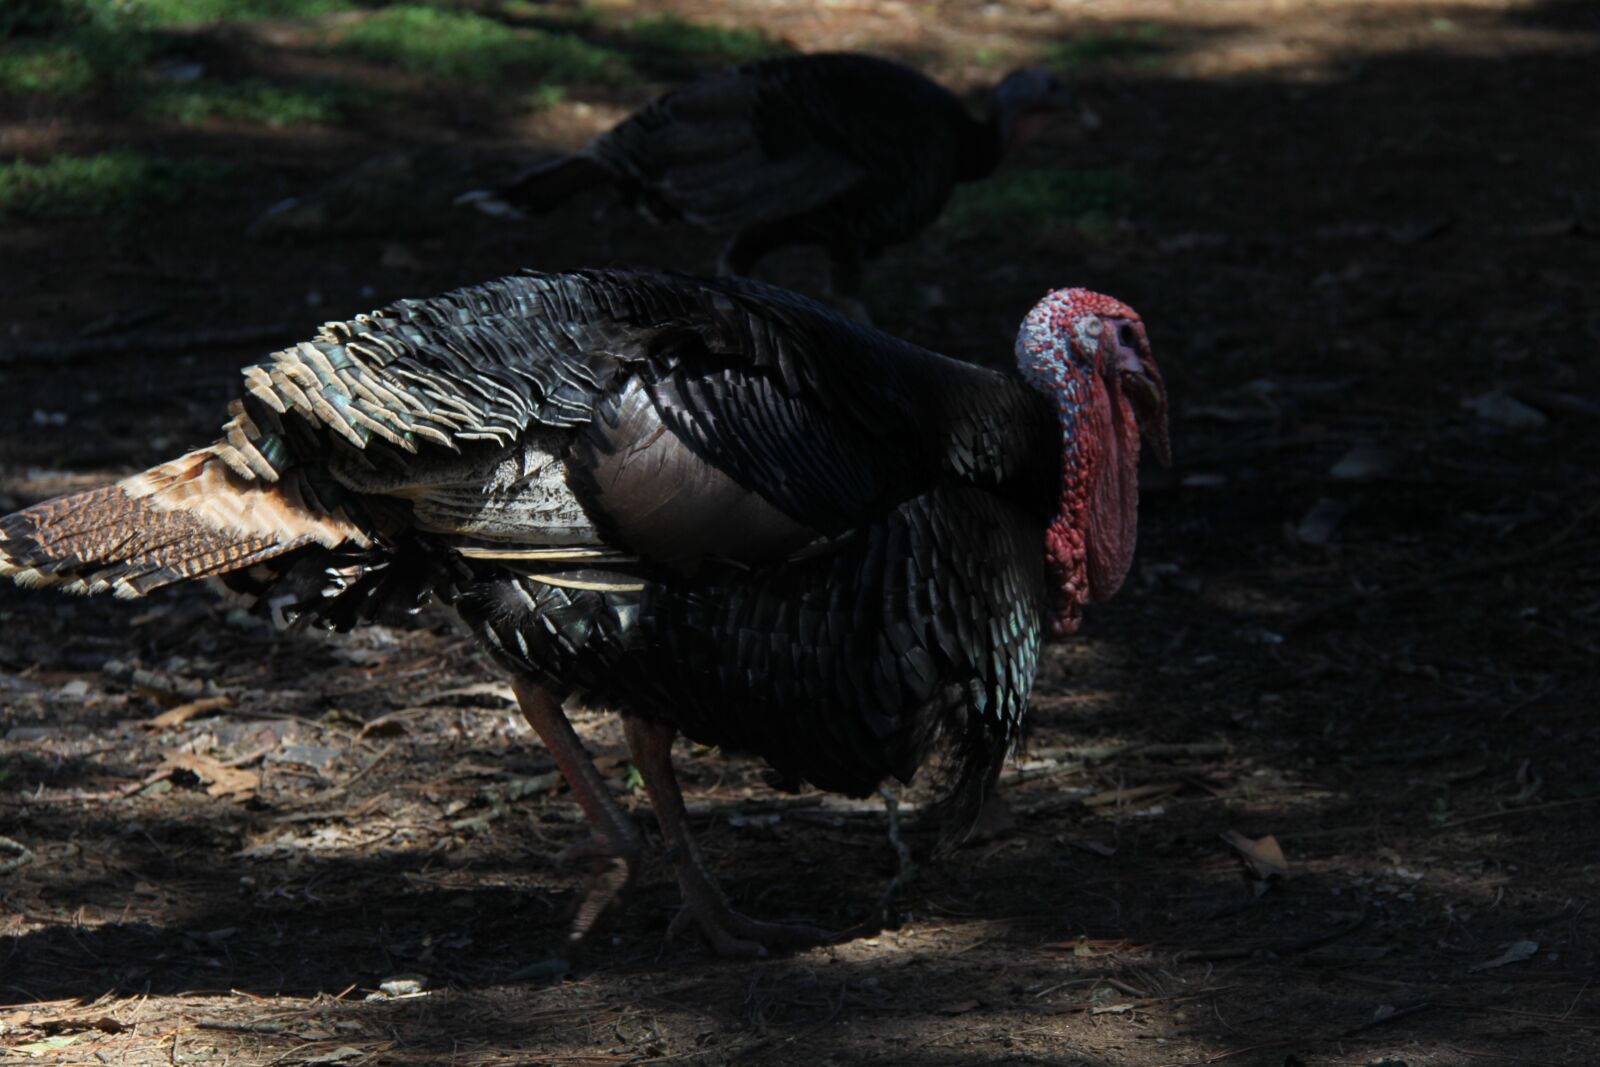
x,y
1149,399
1142,385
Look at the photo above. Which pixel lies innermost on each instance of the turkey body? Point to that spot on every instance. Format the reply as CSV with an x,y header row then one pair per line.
x,y
714,506
840,670
850,152
832,148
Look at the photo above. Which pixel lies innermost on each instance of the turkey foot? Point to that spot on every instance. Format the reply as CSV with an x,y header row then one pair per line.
x,y
729,933
614,852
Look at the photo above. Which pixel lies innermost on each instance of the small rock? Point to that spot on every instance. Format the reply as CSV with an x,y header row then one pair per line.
x,y
404,985
554,967
1516,952
1365,460
1505,410
306,755
1322,521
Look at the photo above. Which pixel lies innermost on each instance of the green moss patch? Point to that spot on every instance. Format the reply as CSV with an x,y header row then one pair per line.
x,y
192,12
1089,201
109,183
461,46
257,101
1140,46
671,46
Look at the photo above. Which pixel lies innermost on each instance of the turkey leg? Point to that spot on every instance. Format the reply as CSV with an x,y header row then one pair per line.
x,y
617,846
729,933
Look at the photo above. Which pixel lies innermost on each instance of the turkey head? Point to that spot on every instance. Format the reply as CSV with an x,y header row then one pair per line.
x,y
1089,355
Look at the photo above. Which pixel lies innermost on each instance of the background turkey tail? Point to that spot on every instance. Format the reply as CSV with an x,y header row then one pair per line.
x,y
542,189
194,517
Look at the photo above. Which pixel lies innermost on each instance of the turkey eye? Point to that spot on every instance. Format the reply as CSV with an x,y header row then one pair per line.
x,y
1126,336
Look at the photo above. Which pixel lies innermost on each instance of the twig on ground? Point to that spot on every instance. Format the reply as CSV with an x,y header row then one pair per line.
x,y
1380,1020
363,772
242,1027
21,855
1486,816
1287,948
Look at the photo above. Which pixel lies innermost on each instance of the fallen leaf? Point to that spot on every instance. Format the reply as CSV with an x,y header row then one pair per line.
x,y
220,780
175,717
1264,856
1515,952
388,726
49,1044
338,1055
1111,1009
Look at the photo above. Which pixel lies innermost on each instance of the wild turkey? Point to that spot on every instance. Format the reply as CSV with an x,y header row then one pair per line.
x,y
849,152
715,506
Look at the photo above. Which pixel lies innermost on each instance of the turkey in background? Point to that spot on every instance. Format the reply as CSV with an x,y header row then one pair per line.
x,y
848,152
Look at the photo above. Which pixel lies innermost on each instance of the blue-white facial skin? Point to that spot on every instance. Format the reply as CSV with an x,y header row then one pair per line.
x,y
1060,366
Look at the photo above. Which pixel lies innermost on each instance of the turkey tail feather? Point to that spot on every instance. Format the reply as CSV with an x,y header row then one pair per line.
x,y
191,518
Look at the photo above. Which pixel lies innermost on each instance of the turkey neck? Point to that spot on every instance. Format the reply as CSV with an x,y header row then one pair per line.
x,y
983,143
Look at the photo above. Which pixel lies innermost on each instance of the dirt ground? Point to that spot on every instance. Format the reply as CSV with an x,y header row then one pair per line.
x,y
1363,621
